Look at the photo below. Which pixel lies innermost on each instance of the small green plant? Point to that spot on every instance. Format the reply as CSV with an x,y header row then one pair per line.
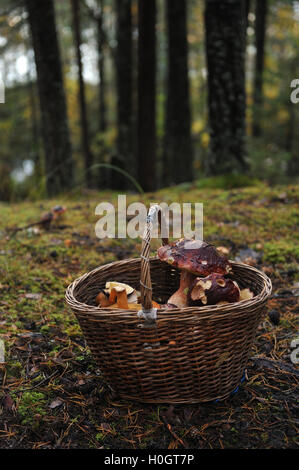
x,y
45,329
100,436
31,407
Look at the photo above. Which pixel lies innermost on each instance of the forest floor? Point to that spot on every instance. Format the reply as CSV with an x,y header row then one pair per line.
x,y
52,394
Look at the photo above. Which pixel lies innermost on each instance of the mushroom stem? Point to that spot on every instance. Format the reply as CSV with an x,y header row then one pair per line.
x,y
179,298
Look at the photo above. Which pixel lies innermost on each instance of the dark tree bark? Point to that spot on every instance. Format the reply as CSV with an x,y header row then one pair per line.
x,y
247,11
88,157
146,144
225,29
101,54
103,173
178,155
56,138
292,126
135,82
293,163
260,35
34,128
97,16
124,158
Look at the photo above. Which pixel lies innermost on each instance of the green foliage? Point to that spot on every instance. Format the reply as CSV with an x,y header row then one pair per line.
x,y
20,121
227,182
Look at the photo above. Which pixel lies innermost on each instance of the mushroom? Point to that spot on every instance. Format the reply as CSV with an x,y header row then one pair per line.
x,y
118,299
179,298
109,286
119,294
102,299
197,257
213,289
135,306
193,258
246,294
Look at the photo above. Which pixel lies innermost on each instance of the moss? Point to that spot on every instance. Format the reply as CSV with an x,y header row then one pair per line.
x,y
14,368
281,251
31,406
227,182
73,330
264,436
45,329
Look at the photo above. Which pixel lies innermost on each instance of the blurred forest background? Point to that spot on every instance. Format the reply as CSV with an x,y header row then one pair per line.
x,y
136,95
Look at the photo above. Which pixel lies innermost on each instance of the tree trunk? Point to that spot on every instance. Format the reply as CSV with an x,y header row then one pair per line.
x,y
247,11
88,157
178,156
225,30
124,158
102,173
293,162
291,134
146,145
101,54
56,138
34,128
260,34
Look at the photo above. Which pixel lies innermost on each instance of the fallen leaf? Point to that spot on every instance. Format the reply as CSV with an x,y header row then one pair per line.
x,y
8,402
55,403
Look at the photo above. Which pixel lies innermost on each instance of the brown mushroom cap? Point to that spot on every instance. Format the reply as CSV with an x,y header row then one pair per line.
x,y
198,257
213,289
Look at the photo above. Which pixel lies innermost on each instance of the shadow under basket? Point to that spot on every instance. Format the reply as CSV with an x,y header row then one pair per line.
x,y
189,355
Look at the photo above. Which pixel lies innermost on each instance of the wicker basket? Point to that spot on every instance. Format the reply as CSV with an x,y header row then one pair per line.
x,y
190,355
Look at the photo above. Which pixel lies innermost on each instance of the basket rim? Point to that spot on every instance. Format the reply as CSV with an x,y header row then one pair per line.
x,y
163,313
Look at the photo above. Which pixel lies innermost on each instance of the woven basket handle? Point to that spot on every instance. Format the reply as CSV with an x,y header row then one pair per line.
x,y
145,279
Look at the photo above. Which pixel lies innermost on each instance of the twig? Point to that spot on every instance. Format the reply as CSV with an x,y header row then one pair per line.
x,y
168,426
37,385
